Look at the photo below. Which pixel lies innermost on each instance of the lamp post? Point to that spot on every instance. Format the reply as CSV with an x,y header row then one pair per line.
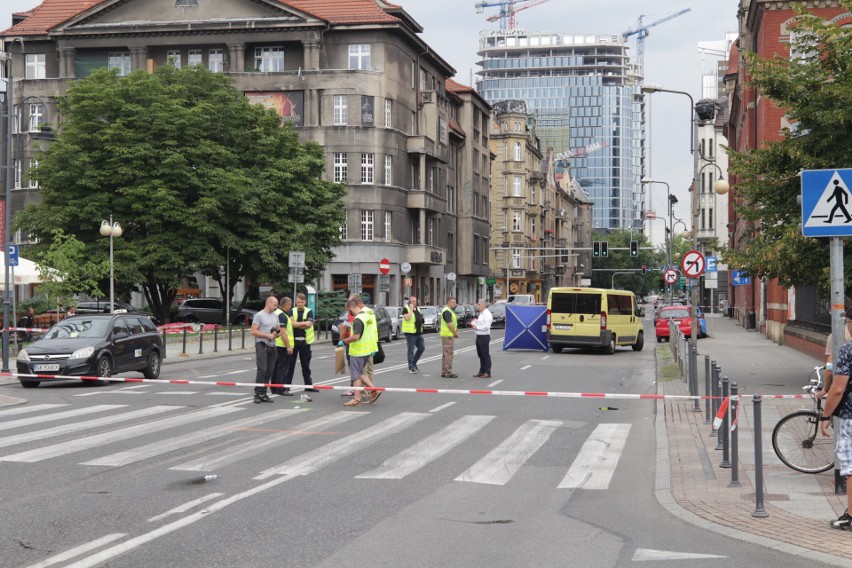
x,y
670,201
111,230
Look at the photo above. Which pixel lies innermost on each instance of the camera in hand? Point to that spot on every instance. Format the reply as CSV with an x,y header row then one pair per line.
x,y
275,330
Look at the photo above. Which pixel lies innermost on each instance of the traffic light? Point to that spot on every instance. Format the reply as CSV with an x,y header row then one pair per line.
x,y
596,249
634,249
644,269
604,249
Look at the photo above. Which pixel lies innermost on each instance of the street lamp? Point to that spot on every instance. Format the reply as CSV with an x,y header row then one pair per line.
x,y
111,230
670,201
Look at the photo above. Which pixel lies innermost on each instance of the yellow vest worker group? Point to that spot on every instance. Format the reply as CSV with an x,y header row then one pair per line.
x,y
445,329
369,340
279,341
409,325
309,333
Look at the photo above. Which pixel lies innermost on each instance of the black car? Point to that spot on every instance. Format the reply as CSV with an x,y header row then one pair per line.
x,y
93,345
383,320
210,310
499,313
464,313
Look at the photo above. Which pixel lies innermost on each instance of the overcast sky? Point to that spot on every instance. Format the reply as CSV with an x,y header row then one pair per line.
x,y
672,60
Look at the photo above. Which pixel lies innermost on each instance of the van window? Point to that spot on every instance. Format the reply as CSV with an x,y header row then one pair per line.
x,y
573,303
619,305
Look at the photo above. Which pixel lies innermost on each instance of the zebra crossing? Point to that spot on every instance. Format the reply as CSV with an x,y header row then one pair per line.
x,y
53,431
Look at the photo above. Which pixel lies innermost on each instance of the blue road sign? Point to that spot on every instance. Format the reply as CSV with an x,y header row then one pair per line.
x,y
12,251
827,203
712,264
740,278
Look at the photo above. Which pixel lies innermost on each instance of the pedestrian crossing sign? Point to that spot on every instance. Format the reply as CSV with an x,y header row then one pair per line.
x,y
827,203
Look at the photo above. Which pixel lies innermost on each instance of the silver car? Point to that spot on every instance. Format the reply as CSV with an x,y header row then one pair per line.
x,y
430,318
395,313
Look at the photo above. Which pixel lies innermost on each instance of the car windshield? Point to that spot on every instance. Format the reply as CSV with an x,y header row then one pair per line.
x,y
497,309
429,311
73,328
677,314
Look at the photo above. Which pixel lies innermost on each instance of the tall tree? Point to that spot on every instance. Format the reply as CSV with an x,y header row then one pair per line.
x,y
814,87
195,174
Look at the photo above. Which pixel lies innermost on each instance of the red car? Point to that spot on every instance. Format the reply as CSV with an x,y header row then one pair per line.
x,y
681,317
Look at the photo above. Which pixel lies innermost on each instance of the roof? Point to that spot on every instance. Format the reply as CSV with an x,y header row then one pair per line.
x,y
455,87
51,13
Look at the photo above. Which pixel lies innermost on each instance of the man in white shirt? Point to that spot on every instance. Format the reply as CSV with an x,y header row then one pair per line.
x,y
482,328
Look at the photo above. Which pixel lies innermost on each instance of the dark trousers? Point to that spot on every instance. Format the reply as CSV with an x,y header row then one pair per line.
x,y
482,343
414,341
282,365
265,355
302,351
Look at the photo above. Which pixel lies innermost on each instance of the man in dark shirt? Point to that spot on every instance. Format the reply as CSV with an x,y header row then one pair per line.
x,y
412,327
839,403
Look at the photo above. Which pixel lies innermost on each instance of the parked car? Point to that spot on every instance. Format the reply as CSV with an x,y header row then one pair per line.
x,y
680,316
430,318
464,313
209,310
395,313
383,321
499,313
93,345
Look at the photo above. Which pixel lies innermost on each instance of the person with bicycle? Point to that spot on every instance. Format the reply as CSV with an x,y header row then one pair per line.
x,y
827,373
838,403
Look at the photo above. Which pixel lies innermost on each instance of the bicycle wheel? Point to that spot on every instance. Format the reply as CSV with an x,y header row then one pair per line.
x,y
798,443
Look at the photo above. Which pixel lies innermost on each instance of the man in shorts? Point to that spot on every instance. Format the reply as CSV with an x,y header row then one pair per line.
x,y
363,341
839,403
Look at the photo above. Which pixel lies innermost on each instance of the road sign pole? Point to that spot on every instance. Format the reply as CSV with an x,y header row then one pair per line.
x,y
837,335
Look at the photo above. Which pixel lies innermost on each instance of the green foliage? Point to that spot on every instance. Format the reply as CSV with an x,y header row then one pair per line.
x,y
66,270
330,304
632,279
195,174
815,90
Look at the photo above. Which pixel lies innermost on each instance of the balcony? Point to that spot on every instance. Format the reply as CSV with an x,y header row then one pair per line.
x,y
419,199
424,254
533,210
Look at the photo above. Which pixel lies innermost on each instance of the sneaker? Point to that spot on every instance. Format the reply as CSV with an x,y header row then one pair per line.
x,y
412,371
450,376
286,392
353,402
843,523
258,398
374,396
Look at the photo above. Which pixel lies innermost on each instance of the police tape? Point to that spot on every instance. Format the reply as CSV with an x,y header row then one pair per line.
x,y
321,387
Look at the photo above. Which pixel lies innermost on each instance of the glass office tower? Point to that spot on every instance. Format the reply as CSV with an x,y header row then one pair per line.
x,y
585,95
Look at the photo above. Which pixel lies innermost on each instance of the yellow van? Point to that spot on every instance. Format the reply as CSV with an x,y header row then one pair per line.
x,y
593,317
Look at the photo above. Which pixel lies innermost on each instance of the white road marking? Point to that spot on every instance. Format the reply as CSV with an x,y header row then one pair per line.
x,y
161,447
442,407
134,387
83,548
501,463
59,415
595,464
545,357
495,383
78,445
225,393
177,392
28,409
185,507
102,392
525,367
330,453
255,446
428,449
645,554
85,425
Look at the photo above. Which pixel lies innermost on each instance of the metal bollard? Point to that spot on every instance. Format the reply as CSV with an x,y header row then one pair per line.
x,y
200,342
230,329
216,339
244,336
184,342
708,400
693,376
165,344
735,446
759,511
725,429
716,385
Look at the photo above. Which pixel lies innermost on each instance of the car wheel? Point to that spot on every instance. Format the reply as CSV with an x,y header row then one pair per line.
x,y
640,342
389,336
152,369
610,348
29,384
104,369
556,348
396,333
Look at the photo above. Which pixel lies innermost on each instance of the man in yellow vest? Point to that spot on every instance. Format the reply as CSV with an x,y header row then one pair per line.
x,y
283,346
412,327
363,341
302,337
449,333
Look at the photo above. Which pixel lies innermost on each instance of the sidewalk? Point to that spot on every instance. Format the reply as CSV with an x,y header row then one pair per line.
x,y
689,482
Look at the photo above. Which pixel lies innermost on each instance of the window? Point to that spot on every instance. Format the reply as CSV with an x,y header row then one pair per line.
x,y
413,74
518,157
216,60
193,57
516,221
516,258
173,58
516,186
451,199
341,113
340,168
388,227
119,60
477,250
366,225
343,229
269,59
359,57
388,170
388,113
367,165
18,174
423,76
36,66
451,247
36,116
31,171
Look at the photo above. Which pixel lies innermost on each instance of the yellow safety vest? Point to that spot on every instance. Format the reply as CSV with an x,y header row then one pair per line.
x,y
309,333
445,329
410,325
279,341
368,343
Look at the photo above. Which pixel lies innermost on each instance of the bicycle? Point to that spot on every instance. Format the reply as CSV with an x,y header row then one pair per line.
x,y
796,438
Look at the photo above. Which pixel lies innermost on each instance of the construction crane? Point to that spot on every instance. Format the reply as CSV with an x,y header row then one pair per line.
x,y
641,32
507,11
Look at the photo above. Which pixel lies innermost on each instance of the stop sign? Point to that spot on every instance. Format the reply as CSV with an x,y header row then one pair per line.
x,y
384,266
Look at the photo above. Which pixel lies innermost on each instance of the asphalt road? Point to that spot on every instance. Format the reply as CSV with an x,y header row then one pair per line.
x,y
114,476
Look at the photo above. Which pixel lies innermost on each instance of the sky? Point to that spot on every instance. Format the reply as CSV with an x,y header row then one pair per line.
x,y
672,60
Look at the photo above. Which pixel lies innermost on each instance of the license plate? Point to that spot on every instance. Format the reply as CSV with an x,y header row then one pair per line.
x,y
46,367
563,327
